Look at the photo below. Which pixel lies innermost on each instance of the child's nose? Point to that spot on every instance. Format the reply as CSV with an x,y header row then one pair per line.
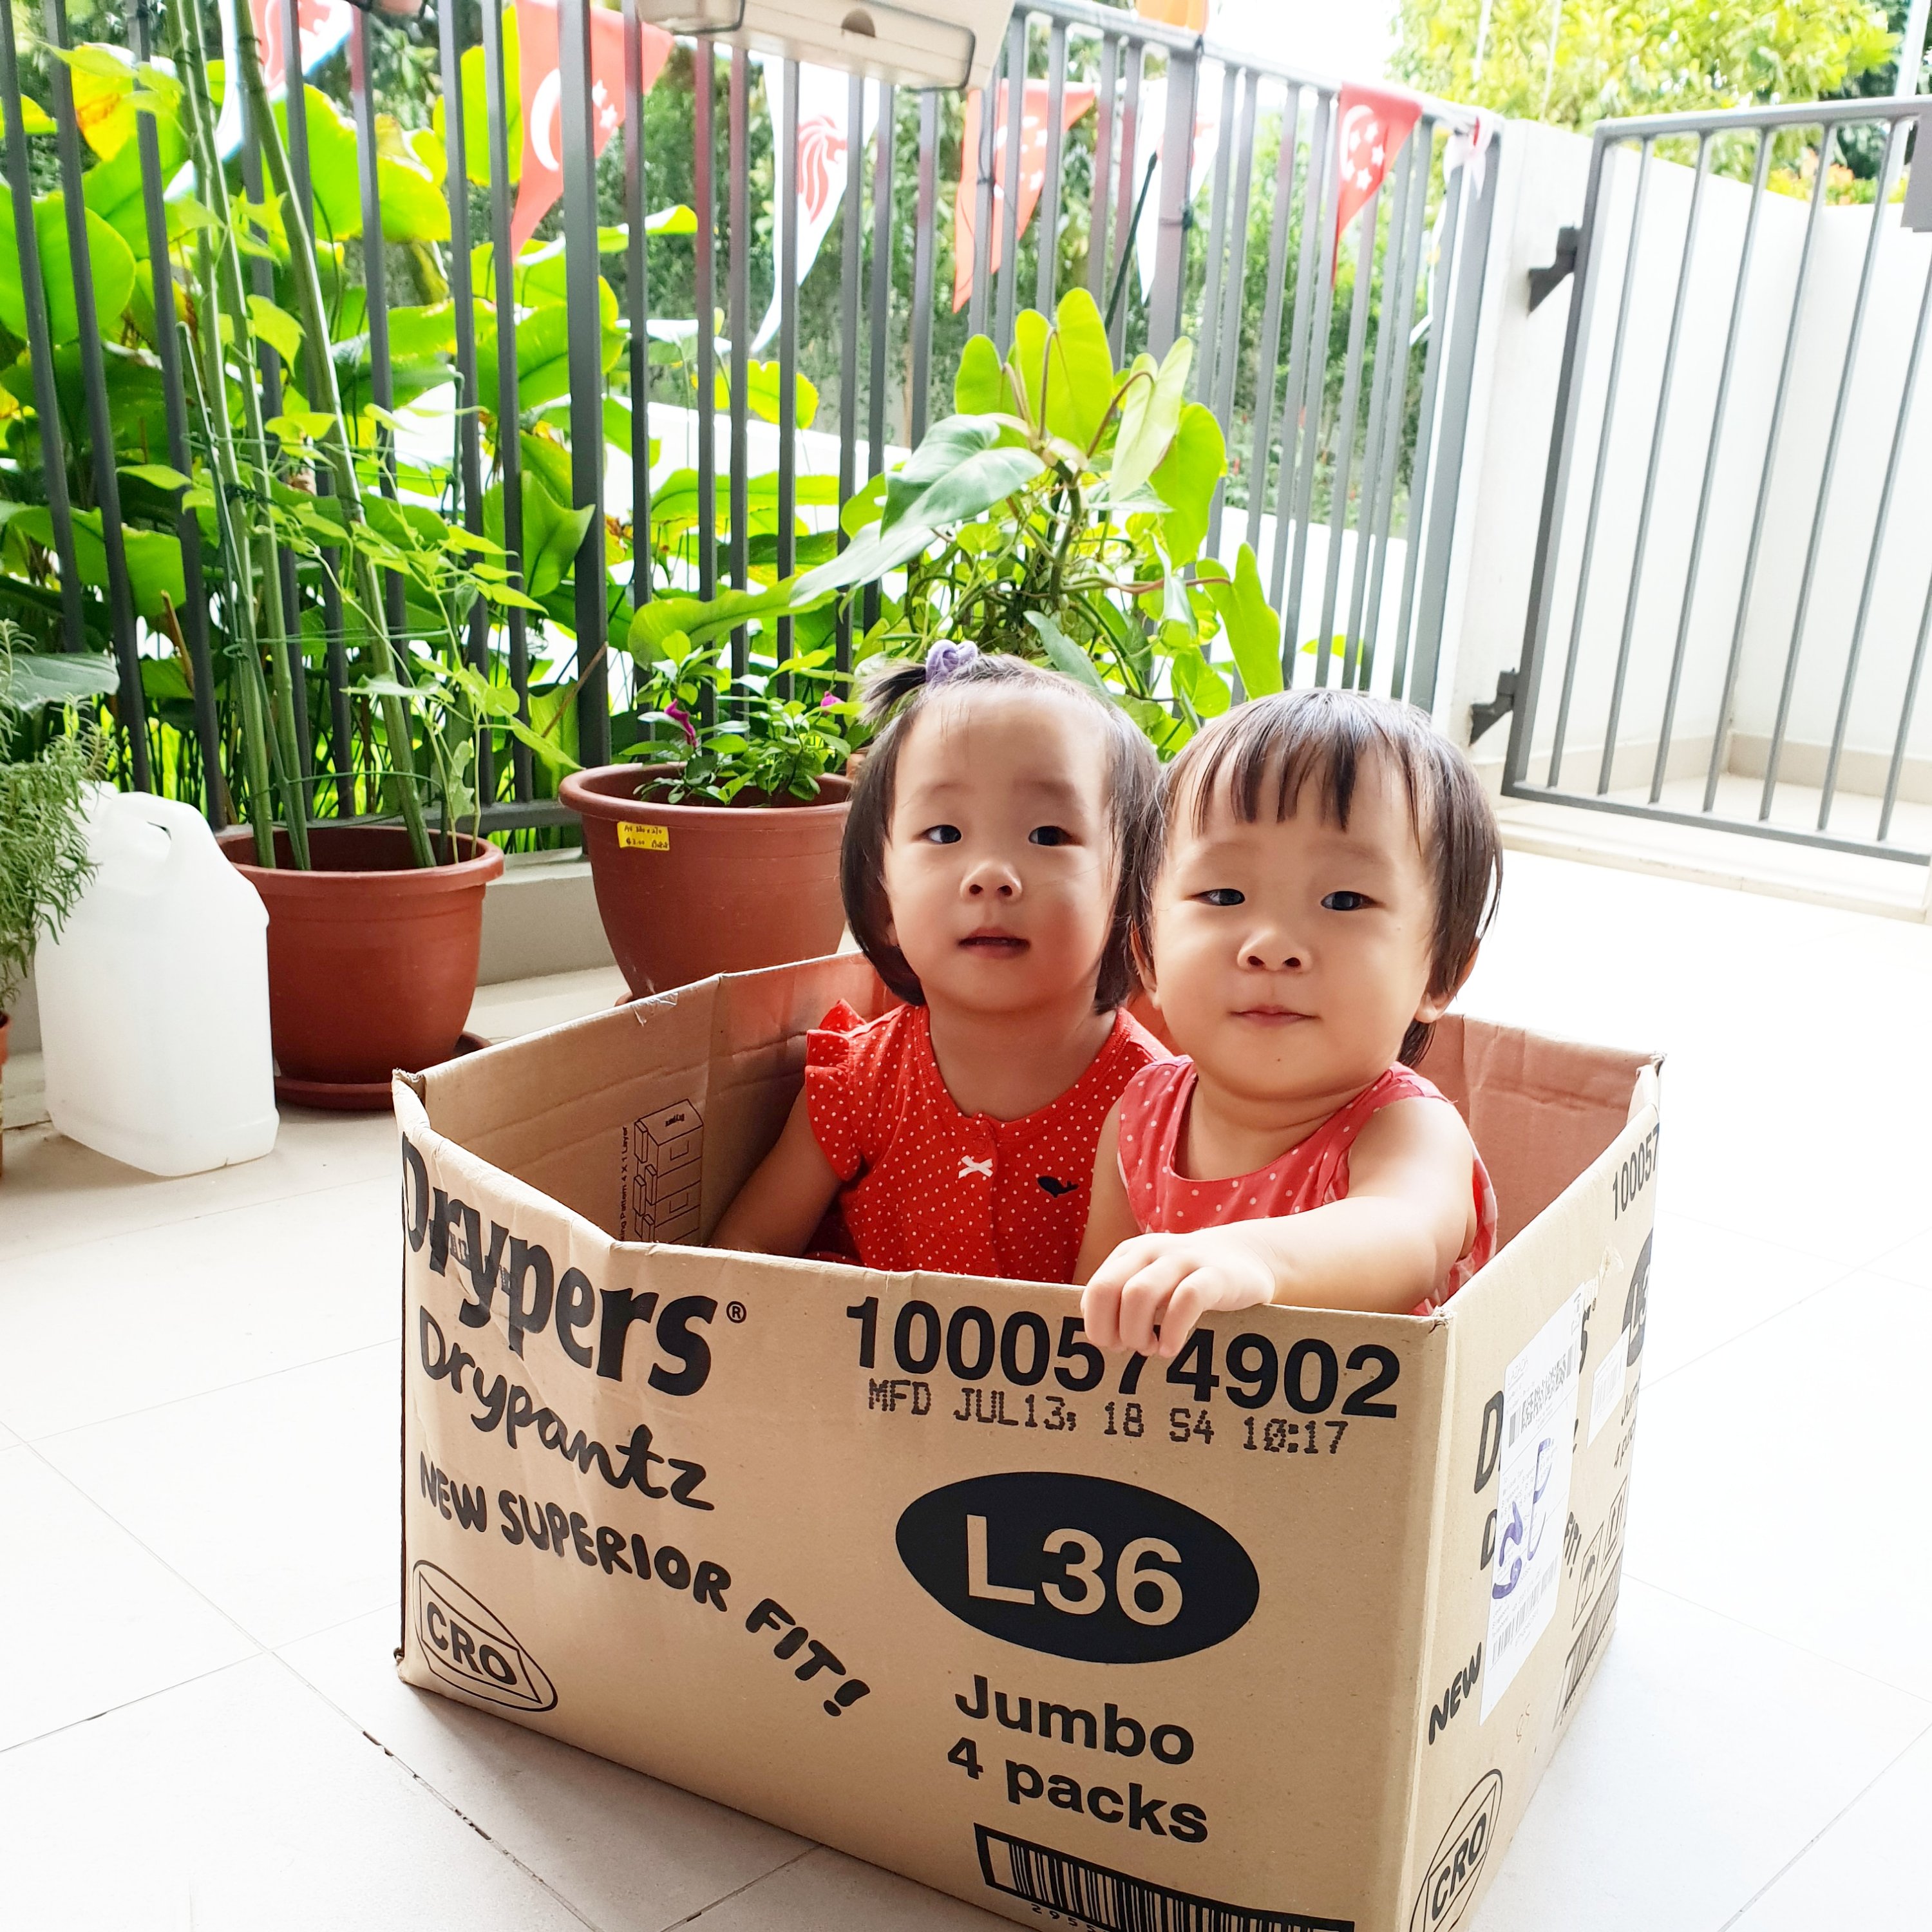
x,y
1274,960
992,877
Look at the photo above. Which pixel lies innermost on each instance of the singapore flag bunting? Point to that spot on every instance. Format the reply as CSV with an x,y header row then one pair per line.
x,y
1372,124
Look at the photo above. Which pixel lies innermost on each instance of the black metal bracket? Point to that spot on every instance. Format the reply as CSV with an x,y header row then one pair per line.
x,y
1484,717
1544,282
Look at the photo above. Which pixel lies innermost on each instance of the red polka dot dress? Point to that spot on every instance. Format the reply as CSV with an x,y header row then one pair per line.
x,y
1154,1112
927,1186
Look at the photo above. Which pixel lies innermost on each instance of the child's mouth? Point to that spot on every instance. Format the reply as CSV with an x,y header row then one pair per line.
x,y
1270,1015
995,944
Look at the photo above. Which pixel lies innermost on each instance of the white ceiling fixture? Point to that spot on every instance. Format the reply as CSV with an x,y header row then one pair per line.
x,y
916,43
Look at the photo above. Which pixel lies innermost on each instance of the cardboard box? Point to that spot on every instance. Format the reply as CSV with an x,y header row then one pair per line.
x,y
1281,1635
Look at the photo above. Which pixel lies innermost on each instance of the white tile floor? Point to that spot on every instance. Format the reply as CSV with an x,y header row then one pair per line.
x,y
200,1725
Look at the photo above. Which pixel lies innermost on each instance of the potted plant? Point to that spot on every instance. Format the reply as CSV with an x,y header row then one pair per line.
x,y
1061,513
375,929
716,849
45,769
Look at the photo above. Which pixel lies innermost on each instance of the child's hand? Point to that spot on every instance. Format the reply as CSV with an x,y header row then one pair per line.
x,y
1168,1282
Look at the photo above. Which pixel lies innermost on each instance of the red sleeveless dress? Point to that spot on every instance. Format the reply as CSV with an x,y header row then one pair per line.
x,y
1153,1110
924,1186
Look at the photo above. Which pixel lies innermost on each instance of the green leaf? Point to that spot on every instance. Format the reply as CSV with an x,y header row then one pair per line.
x,y
112,188
1185,478
276,327
869,556
1080,380
159,474
1200,683
475,122
1066,656
865,505
1150,417
675,219
64,677
154,558
979,388
33,117
333,177
957,473
1031,335
698,619
1254,631
113,261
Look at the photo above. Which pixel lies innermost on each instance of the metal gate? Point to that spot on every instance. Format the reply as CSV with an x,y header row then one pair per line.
x,y
1734,635
1340,371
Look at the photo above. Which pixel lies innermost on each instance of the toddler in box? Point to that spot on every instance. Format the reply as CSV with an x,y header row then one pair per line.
x,y
991,858
1323,868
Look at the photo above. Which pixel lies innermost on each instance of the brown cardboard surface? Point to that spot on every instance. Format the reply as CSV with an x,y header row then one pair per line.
x,y
928,1580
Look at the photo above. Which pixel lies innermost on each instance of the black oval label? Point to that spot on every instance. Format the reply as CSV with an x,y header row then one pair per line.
x,y
1078,1566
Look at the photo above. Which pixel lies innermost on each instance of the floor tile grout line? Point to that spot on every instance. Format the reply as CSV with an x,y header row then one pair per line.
x,y
1779,1636
141,1543
737,1891
449,1804
281,1197
201,1395
1765,1322
1830,1824
129,1703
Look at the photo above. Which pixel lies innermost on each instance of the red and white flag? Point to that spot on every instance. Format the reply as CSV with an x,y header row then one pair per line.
x,y
826,142
323,26
1034,119
542,182
1371,124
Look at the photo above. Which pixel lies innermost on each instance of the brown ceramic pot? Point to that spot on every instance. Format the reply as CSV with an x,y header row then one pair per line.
x,y
372,958
687,890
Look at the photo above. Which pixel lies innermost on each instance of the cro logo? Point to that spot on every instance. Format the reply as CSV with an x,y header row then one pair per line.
x,y
1449,1887
468,1646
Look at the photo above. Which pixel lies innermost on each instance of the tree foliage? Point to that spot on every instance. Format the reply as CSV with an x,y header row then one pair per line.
x,y
1620,57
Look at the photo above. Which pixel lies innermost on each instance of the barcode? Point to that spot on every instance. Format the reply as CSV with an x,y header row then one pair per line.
x,y
1585,1648
1094,1895
1525,1613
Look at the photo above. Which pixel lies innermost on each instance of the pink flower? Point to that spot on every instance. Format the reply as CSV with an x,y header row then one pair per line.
x,y
681,717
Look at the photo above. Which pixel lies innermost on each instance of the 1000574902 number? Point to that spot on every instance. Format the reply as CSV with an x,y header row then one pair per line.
x,y
1629,1180
1310,1376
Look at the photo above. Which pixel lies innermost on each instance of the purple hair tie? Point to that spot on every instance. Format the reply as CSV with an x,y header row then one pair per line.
x,y
947,660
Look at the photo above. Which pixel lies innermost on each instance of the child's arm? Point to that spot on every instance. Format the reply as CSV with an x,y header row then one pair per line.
x,y
1409,1214
777,1210
1110,1221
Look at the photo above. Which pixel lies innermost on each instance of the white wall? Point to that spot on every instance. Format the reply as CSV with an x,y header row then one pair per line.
x,y
1542,187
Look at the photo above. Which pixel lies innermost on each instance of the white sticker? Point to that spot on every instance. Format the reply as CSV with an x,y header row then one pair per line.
x,y
1533,1493
1606,1387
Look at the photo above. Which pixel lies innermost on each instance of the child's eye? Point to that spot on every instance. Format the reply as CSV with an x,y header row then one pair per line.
x,y
1049,835
1346,902
1223,895
941,834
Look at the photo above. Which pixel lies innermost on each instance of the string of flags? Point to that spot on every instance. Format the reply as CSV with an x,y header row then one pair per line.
x,y
1034,111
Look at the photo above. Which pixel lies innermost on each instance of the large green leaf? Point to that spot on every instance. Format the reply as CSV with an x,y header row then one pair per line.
x,y
1150,417
1185,478
870,555
1065,655
543,351
1080,382
112,188
113,261
958,471
662,619
154,558
136,405
475,112
1254,631
553,532
65,677
1199,682
979,388
336,186
1031,335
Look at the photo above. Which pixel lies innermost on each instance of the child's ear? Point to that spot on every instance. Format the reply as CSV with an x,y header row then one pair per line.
x,y
1435,1005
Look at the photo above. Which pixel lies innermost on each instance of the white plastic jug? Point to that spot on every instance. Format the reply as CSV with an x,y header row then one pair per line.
x,y
154,998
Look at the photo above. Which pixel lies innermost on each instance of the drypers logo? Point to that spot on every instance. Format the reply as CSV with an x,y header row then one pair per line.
x,y
1449,1886
467,1645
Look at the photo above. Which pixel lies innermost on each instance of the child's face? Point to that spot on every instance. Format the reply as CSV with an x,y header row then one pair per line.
x,y
1290,957
999,862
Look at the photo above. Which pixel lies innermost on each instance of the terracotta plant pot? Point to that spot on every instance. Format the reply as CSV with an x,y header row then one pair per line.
x,y
372,959
687,890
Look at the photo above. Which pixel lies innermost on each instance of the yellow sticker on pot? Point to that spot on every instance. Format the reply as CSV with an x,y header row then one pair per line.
x,y
632,837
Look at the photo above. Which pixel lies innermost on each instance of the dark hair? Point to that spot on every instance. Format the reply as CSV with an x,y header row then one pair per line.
x,y
899,696
1280,744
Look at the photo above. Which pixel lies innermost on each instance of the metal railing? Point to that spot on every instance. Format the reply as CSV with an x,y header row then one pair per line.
x,y
1341,438
1734,682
